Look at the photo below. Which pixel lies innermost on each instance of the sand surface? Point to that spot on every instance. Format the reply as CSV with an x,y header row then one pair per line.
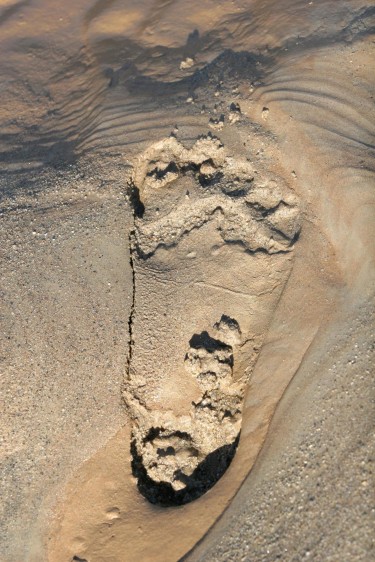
x,y
187,265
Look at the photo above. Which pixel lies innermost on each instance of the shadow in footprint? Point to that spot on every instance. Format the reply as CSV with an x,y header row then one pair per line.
x,y
204,340
204,477
136,202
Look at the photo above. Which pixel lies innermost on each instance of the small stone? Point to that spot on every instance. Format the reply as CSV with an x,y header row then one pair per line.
x,y
265,113
187,63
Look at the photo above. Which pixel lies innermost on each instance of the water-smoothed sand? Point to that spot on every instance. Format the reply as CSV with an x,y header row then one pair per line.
x,y
187,225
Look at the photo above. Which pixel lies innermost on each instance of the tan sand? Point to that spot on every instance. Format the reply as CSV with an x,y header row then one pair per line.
x,y
168,290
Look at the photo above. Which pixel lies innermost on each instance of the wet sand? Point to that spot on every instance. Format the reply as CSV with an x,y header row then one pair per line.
x,y
87,90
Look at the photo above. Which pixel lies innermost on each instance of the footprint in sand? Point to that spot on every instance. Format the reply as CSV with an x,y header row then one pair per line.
x,y
211,252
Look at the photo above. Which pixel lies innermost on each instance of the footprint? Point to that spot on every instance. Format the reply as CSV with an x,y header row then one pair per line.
x,y
211,252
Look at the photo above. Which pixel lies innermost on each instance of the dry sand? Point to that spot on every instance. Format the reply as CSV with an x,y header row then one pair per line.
x,y
187,247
